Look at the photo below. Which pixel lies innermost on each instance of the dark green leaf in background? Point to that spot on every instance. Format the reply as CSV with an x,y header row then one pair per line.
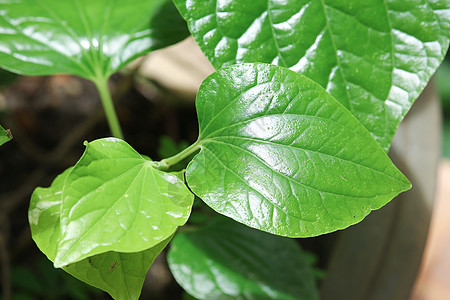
x,y
373,56
443,86
168,147
228,261
5,136
120,274
446,139
278,153
88,38
40,280
115,200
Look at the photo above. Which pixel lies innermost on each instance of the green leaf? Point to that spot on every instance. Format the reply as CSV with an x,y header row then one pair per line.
x,y
186,296
120,274
375,57
91,39
23,279
115,200
278,153
44,215
5,136
229,261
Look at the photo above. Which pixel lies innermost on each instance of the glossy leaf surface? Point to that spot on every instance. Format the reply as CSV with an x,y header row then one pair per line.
x,y
227,260
115,200
91,39
278,153
43,215
120,274
375,57
4,136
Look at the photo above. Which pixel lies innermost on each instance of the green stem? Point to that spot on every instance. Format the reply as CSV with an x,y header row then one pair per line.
x,y
169,162
108,106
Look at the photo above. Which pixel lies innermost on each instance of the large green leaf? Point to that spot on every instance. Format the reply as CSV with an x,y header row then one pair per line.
x,y
120,274
115,200
229,261
374,56
278,153
88,38
5,136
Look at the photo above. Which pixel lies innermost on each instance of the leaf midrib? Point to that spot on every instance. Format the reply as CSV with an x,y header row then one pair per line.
x,y
298,182
96,56
275,41
214,140
122,273
254,118
327,23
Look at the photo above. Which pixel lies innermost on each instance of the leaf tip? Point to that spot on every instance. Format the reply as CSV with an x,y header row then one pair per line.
x,y
57,264
62,259
407,185
404,183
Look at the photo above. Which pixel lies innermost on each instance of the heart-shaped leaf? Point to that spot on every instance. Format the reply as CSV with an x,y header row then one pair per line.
x,y
115,200
230,261
5,136
120,274
375,57
278,153
91,39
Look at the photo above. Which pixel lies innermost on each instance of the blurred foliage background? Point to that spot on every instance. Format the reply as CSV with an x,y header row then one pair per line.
x,y
442,80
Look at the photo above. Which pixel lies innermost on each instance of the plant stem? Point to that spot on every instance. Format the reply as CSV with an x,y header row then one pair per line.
x,y
169,162
108,106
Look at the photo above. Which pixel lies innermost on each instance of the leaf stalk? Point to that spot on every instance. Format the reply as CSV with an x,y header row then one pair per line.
x,y
173,160
108,106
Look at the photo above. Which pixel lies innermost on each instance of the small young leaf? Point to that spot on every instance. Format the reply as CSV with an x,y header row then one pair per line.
x,y
229,261
5,136
278,153
115,200
375,57
88,38
119,274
